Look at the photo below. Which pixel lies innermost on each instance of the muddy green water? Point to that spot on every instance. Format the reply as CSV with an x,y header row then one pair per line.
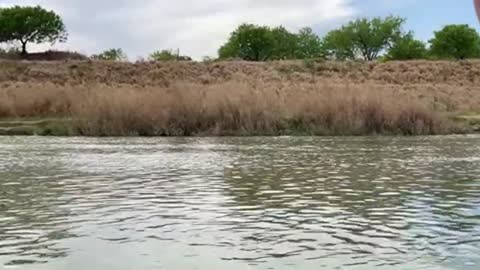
x,y
240,203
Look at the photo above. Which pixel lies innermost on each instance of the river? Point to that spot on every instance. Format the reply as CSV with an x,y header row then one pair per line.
x,y
240,203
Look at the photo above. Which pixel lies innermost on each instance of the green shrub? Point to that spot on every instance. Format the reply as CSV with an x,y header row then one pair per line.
x,y
111,55
407,48
168,55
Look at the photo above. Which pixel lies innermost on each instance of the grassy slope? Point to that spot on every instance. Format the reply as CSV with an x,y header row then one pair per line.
x,y
112,98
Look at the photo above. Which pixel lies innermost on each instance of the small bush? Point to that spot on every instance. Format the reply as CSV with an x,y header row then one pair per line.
x,y
407,48
51,55
168,55
110,55
11,53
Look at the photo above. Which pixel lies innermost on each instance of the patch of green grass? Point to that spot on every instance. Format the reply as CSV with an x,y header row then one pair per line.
x,y
42,127
470,120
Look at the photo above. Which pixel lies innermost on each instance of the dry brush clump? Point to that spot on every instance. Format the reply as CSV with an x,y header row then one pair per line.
x,y
50,55
40,100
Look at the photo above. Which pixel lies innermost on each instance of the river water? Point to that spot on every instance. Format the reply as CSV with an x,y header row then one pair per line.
x,y
240,203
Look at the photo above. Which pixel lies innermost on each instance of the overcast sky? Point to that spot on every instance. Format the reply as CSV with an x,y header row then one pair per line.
x,y
199,27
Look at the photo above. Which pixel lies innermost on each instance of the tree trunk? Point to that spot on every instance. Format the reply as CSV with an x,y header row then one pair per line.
x,y
24,48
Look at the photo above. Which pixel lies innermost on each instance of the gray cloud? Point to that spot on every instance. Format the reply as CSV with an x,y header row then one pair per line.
x,y
196,27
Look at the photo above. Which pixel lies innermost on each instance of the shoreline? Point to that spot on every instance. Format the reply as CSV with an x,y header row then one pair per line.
x,y
66,127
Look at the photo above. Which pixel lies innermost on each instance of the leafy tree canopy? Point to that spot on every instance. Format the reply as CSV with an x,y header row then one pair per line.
x,y
31,24
260,43
456,41
407,48
249,42
365,38
309,45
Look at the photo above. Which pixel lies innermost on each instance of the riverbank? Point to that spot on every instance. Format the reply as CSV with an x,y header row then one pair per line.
x,y
93,98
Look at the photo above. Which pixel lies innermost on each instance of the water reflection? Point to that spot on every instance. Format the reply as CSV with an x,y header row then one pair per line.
x,y
400,200
264,203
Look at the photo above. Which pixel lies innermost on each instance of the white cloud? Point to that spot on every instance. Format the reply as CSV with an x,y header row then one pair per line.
x,y
196,27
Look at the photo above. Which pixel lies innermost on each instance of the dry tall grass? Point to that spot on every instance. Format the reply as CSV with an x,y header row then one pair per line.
x,y
231,108
238,98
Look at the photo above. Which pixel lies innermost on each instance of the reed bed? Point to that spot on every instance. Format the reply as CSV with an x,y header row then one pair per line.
x,y
242,98
220,109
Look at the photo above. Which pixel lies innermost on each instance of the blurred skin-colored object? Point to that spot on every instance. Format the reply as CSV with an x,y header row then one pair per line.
x,y
477,7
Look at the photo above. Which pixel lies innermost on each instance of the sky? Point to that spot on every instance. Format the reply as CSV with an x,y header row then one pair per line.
x,y
199,27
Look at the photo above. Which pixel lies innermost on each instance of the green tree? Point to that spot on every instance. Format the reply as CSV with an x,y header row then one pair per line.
x,y
363,37
340,44
309,45
456,41
407,48
31,24
168,55
111,55
249,42
285,44
261,43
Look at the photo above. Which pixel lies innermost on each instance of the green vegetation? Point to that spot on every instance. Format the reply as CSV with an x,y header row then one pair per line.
x,y
456,41
309,45
261,43
361,39
168,55
364,37
249,42
407,48
30,24
111,55
470,120
43,127
284,44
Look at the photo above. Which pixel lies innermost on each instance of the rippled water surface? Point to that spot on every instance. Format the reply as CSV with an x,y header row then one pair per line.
x,y
240,203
